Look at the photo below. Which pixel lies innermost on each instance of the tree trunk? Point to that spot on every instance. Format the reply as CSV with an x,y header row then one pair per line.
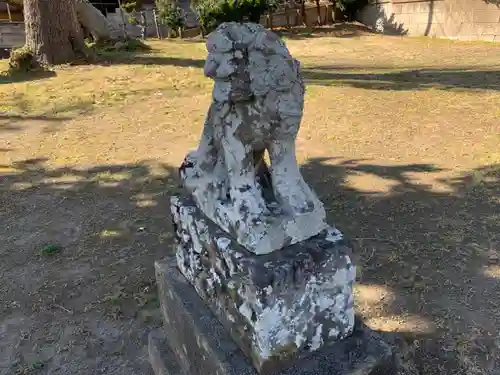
x,y
53,32
303,14
318,10
287,14
270,20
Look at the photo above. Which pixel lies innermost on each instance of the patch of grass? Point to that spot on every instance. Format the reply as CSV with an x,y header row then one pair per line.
x,y
30,369
146,317
127,45
51,250
116,299
146,294
115,303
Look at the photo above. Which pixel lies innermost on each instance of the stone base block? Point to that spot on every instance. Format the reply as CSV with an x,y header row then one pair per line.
x,y
270,232
277,307
193,341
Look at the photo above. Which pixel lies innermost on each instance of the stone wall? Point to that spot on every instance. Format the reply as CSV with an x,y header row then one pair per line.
x,y
11,34
454,19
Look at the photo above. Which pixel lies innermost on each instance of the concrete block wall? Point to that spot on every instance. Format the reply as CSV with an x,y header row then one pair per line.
x,y
11,34
454,19
119,19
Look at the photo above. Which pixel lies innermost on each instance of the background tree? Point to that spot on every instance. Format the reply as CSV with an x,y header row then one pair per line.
x,y
171,16
350,8
214,12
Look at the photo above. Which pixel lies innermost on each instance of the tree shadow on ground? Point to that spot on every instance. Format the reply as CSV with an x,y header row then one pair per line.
x,y
152,60
141,58
338,30
31,118
417,79
436,253
432,251
51,124
108,223
378,21
9,127
25,77
493,2
393,28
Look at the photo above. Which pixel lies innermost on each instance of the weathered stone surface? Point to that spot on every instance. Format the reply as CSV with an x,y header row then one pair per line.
x,y
162,358
201,346
258,99
277,306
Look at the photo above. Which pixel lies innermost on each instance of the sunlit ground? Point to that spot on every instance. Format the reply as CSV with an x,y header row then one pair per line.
x,y
400,139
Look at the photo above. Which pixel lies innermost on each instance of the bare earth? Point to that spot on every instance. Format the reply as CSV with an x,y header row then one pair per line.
x,y
400,139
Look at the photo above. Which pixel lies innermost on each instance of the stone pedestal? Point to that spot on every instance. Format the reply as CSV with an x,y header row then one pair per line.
x,y
277,307
193,342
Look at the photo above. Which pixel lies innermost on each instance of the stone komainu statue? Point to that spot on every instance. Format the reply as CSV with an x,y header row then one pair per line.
x,y
258,100
266,263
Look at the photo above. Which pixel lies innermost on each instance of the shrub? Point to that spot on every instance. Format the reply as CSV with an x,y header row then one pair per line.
x,y
351,7
132,7
214,12
170,15
127,45
22,60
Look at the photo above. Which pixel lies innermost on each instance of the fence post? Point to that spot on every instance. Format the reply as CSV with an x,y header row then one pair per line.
x,y
124,25
318,10
156,24
287,14
303,11
270,20
8,12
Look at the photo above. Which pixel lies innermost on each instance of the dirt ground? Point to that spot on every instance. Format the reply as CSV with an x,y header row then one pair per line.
x,y
400,139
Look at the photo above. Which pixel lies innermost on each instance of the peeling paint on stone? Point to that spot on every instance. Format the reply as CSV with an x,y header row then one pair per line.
x,y
279,305
317,340
334,235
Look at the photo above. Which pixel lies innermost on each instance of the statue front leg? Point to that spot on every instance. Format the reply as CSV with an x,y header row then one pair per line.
x,y
245,193
203,171
202,161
